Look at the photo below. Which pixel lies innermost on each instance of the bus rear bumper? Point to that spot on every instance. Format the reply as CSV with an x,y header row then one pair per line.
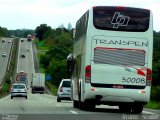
x,y
111,95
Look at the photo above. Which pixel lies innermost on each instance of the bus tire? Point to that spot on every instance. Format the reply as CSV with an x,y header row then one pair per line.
x,y
75,104
89,105
137,109
125,108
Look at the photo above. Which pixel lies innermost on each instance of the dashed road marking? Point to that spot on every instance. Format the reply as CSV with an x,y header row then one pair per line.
x,y
50,102
74,112
58,105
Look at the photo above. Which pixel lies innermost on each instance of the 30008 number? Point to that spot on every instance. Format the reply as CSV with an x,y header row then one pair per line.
x,y
133,80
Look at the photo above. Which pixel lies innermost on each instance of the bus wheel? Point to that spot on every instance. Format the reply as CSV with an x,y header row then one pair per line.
x,y
75,104
88,105
125,108
137,109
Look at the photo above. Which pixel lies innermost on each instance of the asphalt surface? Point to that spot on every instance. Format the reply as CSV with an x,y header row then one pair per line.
x,y
46,107
4,47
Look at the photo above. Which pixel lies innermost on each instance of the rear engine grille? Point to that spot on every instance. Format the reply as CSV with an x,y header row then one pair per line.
x,y
119,56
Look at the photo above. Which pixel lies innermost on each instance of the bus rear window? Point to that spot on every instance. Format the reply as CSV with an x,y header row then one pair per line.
x,y
128,19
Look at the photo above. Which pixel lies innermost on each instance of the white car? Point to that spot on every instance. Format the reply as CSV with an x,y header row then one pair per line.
x,y
19,90
4,54
9,41
3,41
64,90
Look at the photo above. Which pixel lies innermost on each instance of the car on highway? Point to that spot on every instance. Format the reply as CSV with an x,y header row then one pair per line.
x,y
22,40
64,90
4,54
28,50
3,41
9,41
23,55
18,90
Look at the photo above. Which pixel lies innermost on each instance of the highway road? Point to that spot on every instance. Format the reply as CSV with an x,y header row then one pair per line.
x,y
45,106
4,47
26,63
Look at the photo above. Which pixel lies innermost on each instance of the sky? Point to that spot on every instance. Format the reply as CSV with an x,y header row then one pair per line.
x,y
28,14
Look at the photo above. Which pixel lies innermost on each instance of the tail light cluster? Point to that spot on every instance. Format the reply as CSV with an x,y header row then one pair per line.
x,y
149,77
88,74
25,89
11,89
61,90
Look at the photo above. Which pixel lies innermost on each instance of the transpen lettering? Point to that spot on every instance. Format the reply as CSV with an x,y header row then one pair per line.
x,y
121,42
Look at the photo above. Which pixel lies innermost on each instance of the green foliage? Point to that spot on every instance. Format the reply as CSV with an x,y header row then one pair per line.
x,y
20,33
156,60
156,74
54,60
153,105
58,52
155,93
43,31
44,60
3,32
57,69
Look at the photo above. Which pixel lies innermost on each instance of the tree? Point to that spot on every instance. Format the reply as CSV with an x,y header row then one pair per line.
x,y
20,32
57,69
3,32
43,31
69,27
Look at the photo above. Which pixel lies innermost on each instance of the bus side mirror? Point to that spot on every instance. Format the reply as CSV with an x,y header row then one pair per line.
x,y
70,63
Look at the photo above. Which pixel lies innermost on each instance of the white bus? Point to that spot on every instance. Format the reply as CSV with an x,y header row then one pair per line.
x,y
112,58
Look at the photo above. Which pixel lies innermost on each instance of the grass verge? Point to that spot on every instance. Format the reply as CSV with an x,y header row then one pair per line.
x,y
153,105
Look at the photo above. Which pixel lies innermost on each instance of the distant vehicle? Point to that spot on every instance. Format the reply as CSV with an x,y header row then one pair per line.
x,y
64,90
4,54
28,50
22,40
3,41
18,90
12,36
112,58
38,83
23,55
21,77
29,38
9,41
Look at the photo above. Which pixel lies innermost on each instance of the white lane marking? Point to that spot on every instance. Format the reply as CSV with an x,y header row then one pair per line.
x,y
4,98
74,112
50,102
153,110
18,54
58,105
32,57
146,112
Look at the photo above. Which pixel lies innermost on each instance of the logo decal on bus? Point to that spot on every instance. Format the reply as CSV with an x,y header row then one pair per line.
x,y
119,20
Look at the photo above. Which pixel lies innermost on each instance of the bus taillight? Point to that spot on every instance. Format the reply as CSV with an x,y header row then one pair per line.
x,y
149,77
120,8
88,74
